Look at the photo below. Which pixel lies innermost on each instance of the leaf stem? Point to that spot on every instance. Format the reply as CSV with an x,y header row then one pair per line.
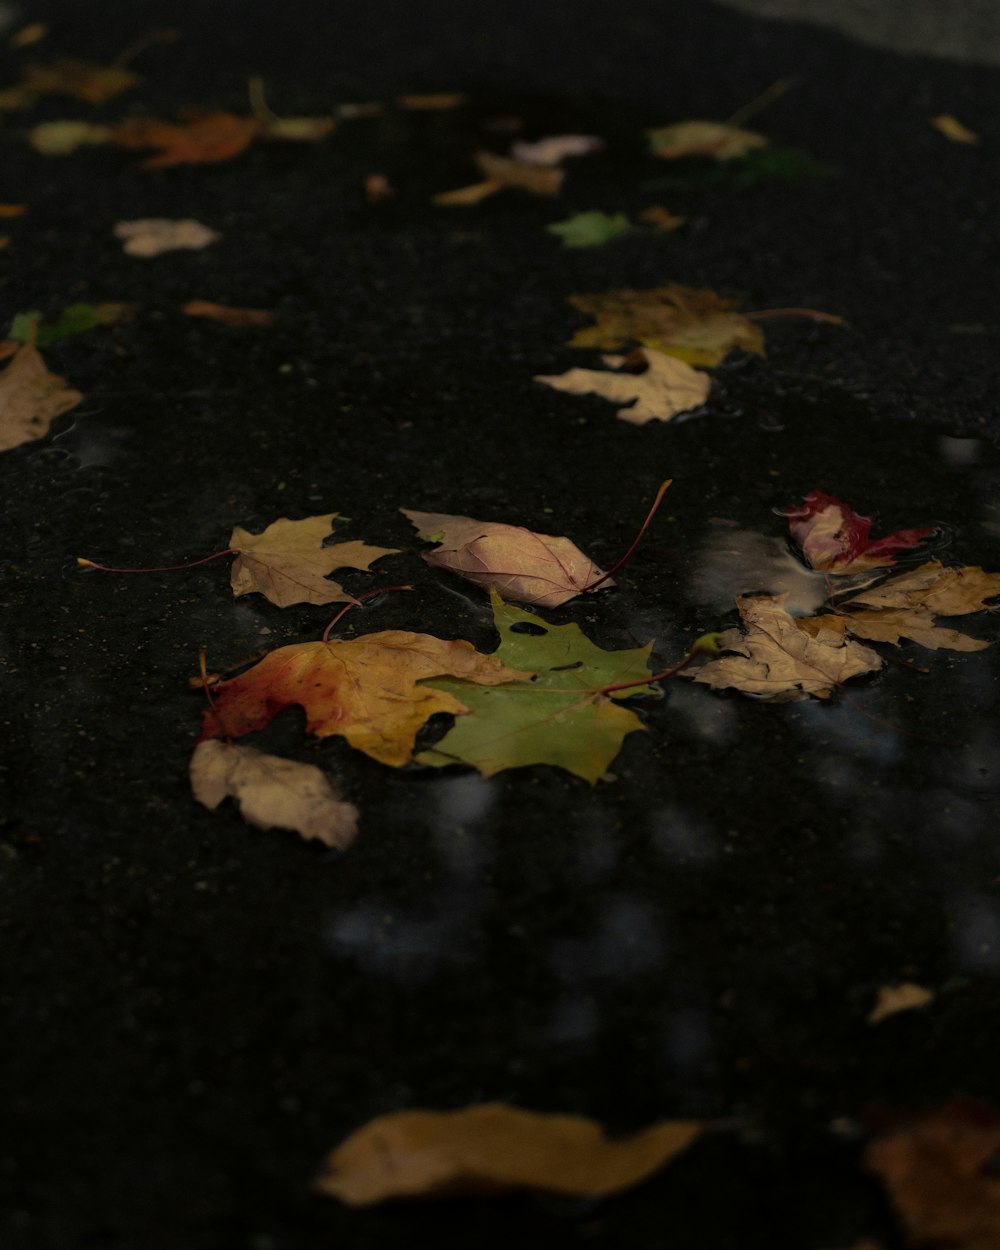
x,y
205,685
645,526
811,314
91,566
707,642
382,590
761,102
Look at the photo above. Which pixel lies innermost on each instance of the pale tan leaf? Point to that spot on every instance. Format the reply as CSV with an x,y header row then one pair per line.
x,y
519,564
150,236
272,792
701,138
227,315
538,179
895,998
471,194
493,1148
667,387
953,129
31,398
555,148
778,661
287,562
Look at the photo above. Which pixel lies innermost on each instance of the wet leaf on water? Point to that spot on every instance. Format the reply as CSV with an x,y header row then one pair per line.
x,y
31,398
272,792
833,538
892,999
696,326
717,140
151,236
953,129
76,319
94,84
777,660
590,229
240,318
493,1148
664,388
938,1170
555,148
288,563
200,139
560,717
365,689
532,568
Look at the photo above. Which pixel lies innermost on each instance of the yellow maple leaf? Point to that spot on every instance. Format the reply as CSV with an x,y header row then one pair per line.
x,y
666,387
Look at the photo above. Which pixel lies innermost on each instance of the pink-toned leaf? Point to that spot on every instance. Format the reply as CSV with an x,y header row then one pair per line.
x,y
833,538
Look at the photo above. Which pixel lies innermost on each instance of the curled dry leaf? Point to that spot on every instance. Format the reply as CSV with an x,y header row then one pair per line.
x,y
665,388
272,792
937,1170
288,563
778,661
31,398
700,138
539,569
893,999
561,717
493,1148
833,538
228,316
202,139
151,236
555,148
696,326
364,689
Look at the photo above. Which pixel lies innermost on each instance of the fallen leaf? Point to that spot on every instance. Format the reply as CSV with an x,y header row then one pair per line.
x,y
666,387
696,326
287,562
953,129
895,998
905,607
76,319
298,129
833,538
272,792
63,138
700,138
433,102
502,171
93,83
13,210
493,1148
29,34
202,139
238,317
559,717
151,236
555,148
661,218
778,661
471,194
378,188
364,689
940,1174
524,566
785,164
4,241
590,229
31,398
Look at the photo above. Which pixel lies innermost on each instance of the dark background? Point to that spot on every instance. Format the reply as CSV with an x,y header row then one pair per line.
x,y
196,1010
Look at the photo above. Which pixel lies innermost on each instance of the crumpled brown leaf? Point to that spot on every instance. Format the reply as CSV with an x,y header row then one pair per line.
x,y
778,661
287,562
665,388
151,236
522,566
200,139
696,326
31,398
493,1148
272,792
937,1169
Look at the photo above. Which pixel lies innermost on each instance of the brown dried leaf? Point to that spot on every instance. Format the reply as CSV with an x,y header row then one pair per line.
x,y
502,171
151,236
287,562
471,194
696,326
13,210
700,138
661,218
199,140
239,317
895,998
31,398
433,102
519,564
273,792
778,661
938,1174
493,1148
666,387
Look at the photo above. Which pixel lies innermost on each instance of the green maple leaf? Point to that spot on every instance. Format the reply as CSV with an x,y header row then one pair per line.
x,y
590,229
559,718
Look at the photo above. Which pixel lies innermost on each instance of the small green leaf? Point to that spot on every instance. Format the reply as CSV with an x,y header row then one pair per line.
x,y
76,319
590,229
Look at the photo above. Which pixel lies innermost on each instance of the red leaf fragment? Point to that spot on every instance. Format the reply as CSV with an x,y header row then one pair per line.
x,y
833,538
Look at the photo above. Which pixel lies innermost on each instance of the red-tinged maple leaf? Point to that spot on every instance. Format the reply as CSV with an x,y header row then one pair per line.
x,y
833,538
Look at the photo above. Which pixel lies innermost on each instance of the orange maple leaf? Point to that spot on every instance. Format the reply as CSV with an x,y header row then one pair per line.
x,y
199,140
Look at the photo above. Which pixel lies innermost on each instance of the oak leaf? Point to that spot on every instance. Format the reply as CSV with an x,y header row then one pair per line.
x,y
31,398
778,661
532,568
833,538
493,1148
364,689
561,717
239,318
288,563
151,236
201,139
666,387
696,326
272,792
718,140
